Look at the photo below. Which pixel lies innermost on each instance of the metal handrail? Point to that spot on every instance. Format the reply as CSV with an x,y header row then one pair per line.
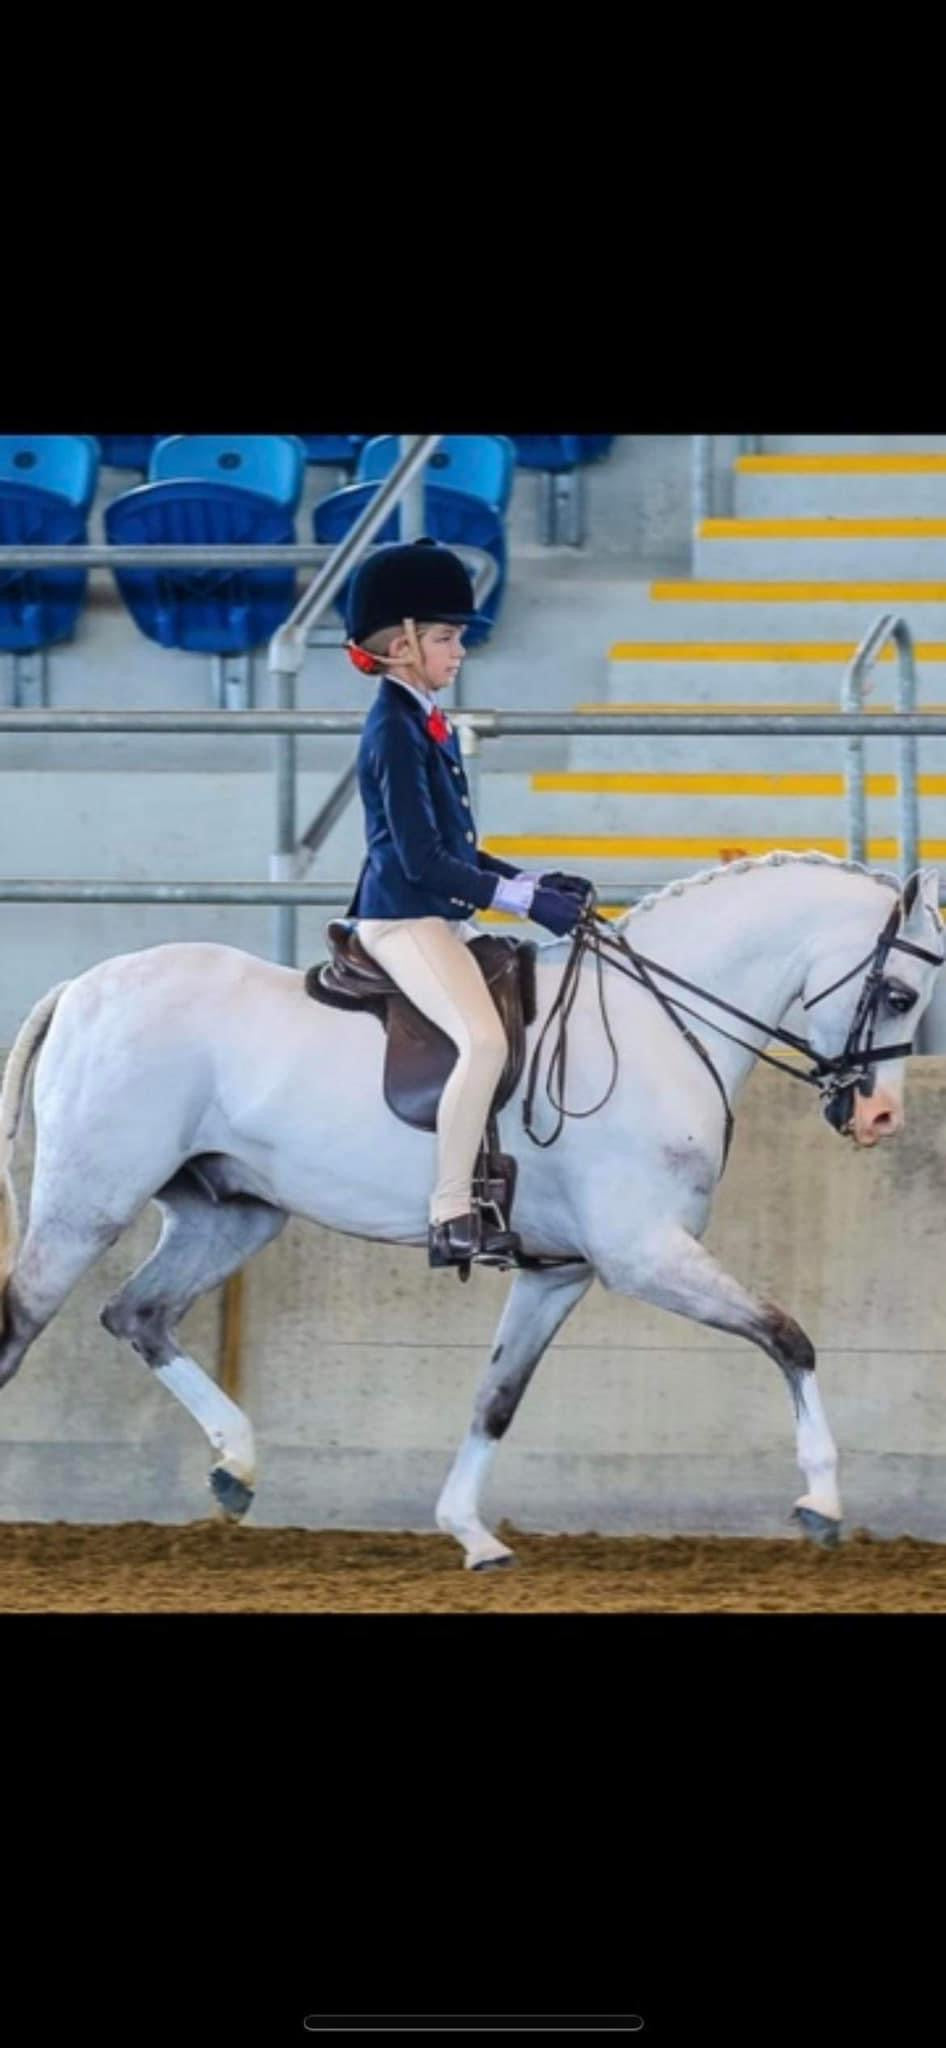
x,y
252,894
291,894
492,725
889,626
200,554
287,646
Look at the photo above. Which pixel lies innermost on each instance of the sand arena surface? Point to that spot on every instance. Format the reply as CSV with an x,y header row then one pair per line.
x,y
212,1568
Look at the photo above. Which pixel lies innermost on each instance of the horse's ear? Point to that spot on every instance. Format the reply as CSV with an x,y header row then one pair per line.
x,y
921,893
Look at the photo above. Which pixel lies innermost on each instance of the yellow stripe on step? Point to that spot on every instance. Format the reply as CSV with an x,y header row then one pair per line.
x,y
797,651
605,847
592,783
841,465
602,783
822,529
811,592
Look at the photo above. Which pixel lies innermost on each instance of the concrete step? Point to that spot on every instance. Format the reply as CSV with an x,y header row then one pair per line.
x,y
764,672
787,609
818,486
821,549
738,755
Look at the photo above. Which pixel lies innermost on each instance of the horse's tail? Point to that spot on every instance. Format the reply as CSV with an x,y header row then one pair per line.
x,y
28,1040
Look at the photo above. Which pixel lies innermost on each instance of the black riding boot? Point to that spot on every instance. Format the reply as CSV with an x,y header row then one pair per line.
x,y
466,1240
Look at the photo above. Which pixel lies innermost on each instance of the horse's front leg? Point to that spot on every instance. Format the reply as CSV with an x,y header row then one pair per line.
x,y
536,1307
675,1271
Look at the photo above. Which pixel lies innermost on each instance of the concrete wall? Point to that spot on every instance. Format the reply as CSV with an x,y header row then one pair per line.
x,y
359,1367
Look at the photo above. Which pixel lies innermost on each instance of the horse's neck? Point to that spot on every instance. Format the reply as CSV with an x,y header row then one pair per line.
x,y
748,938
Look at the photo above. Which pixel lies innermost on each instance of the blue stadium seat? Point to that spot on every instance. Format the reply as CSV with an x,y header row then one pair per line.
x,y
272,465
207,611
556,453
594,446
38,606
65,464
335,451
483,465
127,451
450,516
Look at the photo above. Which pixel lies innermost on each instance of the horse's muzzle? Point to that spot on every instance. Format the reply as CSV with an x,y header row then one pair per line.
x,y
866,1114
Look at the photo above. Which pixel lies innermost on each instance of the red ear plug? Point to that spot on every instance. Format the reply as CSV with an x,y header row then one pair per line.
x,y
367,663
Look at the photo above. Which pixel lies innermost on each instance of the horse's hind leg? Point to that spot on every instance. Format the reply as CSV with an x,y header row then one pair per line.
x,y
536,1307
202,1242
60,1245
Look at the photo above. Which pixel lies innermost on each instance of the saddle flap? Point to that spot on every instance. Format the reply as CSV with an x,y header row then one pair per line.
x,y
419,1057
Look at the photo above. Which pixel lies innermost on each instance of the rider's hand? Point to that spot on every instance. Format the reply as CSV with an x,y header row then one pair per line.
x,y
557,909
577,885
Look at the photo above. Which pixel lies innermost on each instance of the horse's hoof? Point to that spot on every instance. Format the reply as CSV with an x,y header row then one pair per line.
x,y
821,1529
231,1494
491,1564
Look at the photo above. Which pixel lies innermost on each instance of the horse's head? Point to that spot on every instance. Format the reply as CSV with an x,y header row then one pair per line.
x,y
862,1024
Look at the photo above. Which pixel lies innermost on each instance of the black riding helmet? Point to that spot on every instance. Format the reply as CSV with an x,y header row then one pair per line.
x,y
416,579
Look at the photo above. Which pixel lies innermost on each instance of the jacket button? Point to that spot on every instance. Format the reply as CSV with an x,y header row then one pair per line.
x,y
465,800
471,835
456,771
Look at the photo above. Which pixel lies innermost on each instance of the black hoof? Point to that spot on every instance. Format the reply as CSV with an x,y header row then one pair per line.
x,y
493,1564
822,1529
230,1494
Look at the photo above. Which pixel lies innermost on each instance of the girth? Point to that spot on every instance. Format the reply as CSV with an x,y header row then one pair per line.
x,y
419,1057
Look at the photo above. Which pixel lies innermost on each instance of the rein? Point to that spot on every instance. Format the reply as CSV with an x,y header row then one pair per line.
x,y
832,1076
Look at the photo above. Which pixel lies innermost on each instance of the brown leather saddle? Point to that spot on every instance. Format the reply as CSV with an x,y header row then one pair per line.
x,y
419,1057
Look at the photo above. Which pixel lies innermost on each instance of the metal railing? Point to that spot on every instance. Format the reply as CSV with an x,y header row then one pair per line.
x,y
289,893
888,627
494,725
286,723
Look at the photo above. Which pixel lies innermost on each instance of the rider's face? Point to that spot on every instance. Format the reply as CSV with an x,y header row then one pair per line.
x,y
443,650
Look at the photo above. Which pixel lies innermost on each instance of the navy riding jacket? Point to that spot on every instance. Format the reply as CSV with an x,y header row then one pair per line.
x,y
423,860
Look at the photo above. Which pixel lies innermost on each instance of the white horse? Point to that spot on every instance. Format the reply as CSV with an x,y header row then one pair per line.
x,y
204,1079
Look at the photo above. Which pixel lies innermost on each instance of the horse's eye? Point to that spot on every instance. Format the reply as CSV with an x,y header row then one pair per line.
x,y
899,997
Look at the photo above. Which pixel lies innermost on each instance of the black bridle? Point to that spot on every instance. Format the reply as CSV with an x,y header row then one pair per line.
x,y
836,1078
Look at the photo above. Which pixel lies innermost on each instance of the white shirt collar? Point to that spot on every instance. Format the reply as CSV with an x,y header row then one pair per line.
x,y
428,703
